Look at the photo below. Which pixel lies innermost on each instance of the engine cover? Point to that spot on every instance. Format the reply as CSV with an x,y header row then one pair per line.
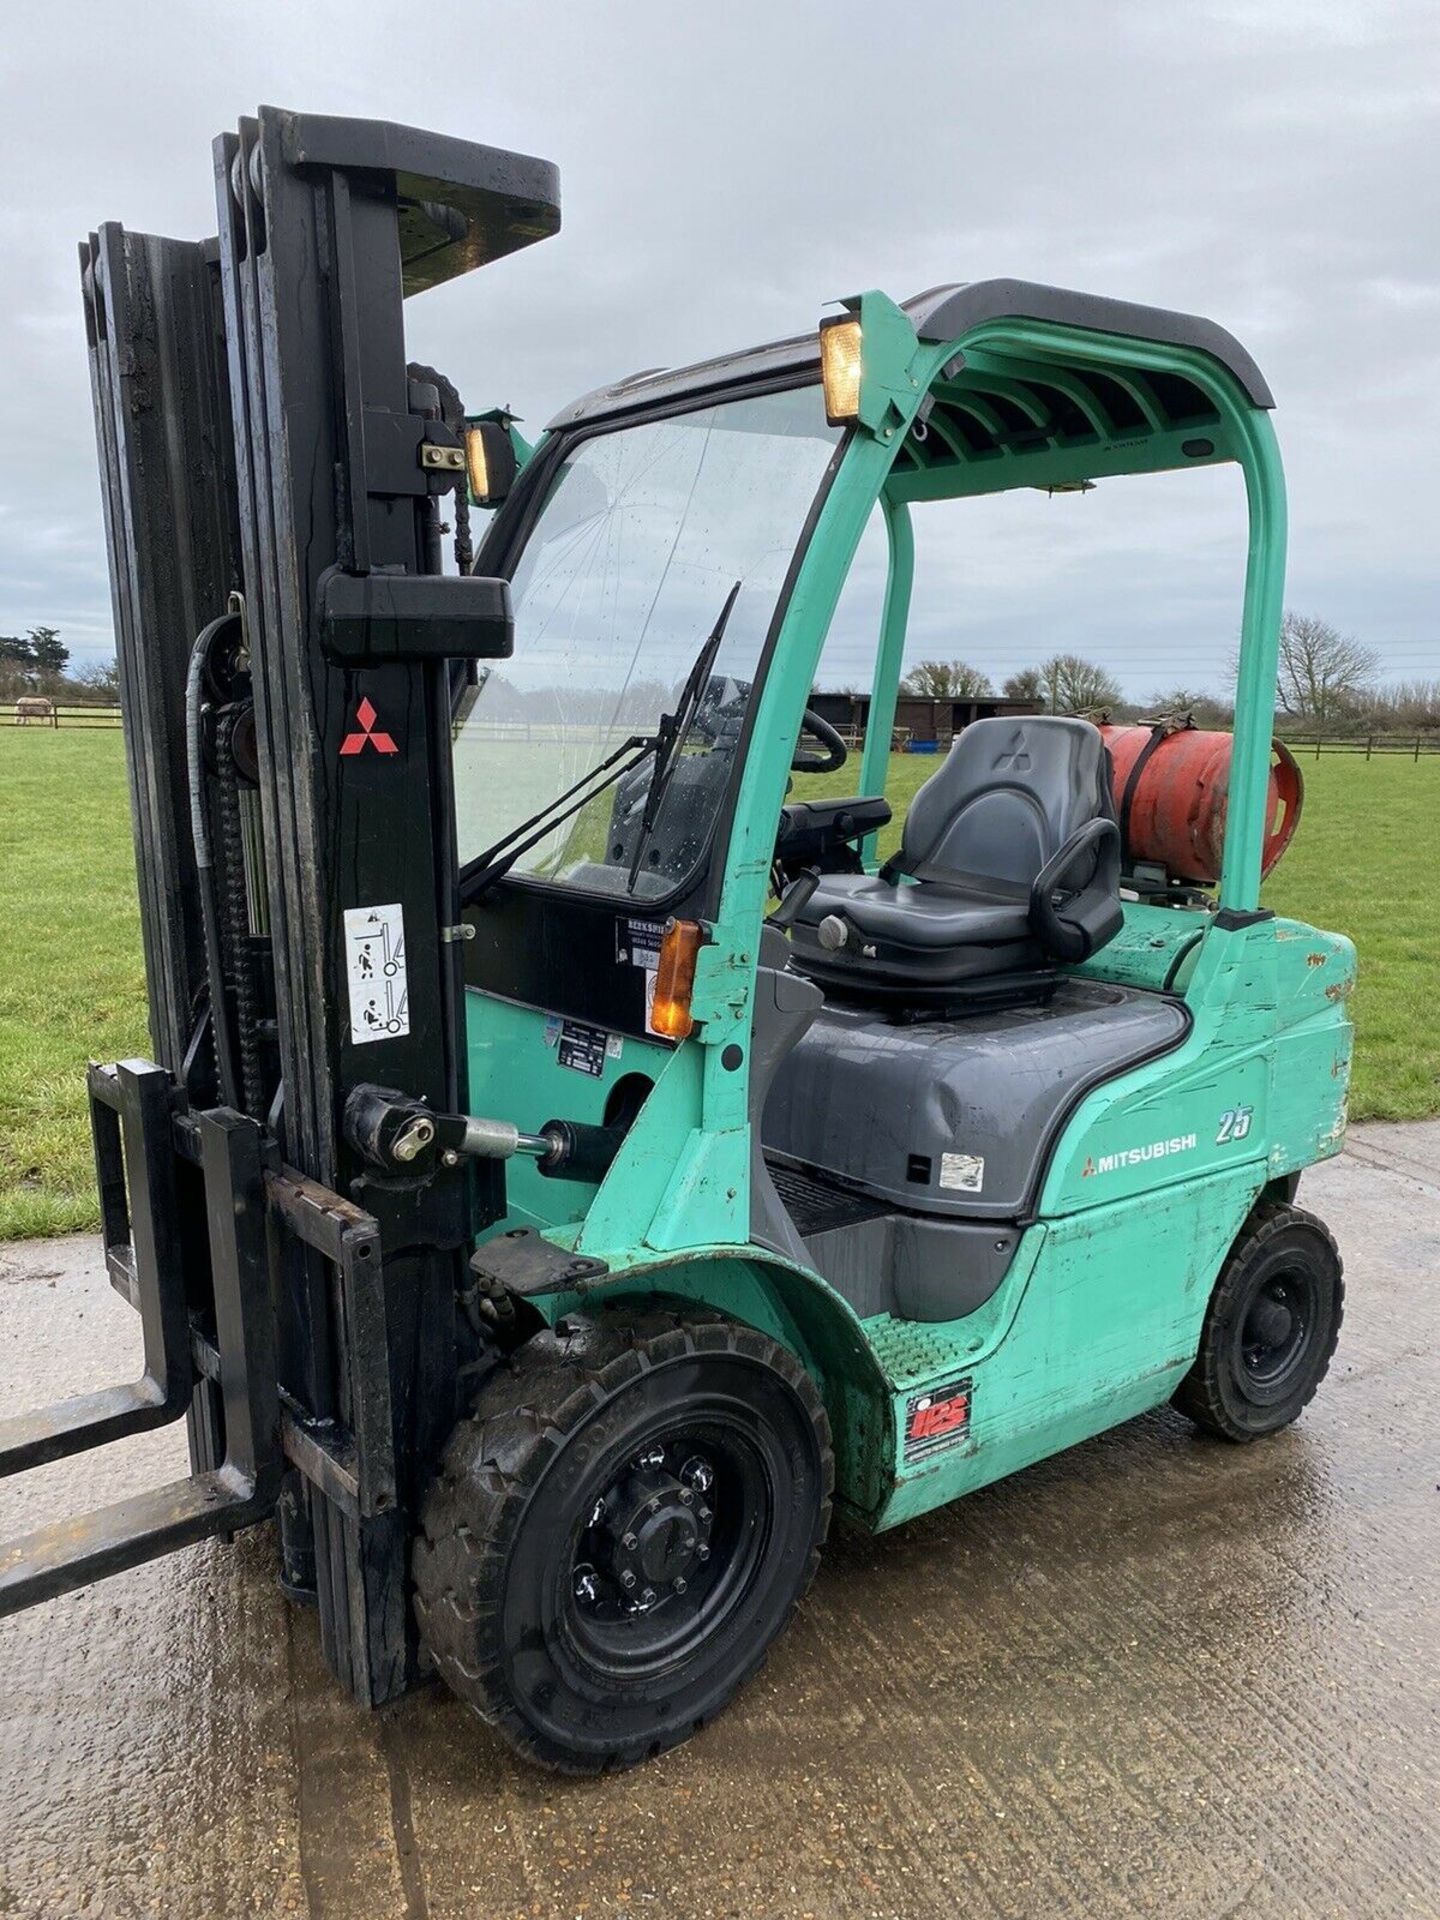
x,y
956,1117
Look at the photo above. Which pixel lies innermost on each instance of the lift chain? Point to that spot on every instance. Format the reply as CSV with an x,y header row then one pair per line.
x,y
235,915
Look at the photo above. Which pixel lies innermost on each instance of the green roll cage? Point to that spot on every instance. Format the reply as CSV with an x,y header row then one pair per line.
x,y
1012,402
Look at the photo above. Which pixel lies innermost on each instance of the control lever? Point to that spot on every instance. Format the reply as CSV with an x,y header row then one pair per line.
x,y
797,896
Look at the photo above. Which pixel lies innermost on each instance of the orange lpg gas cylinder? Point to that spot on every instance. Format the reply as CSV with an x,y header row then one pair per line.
x,y
1171,787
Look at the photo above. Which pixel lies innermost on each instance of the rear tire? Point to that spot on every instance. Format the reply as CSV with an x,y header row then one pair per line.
x,y
618,1531
1271,1327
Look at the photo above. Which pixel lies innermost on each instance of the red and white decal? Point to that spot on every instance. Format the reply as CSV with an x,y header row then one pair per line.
x,y
937,1419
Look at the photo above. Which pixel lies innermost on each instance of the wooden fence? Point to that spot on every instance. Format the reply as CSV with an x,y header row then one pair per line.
x,y
14,714
1371,745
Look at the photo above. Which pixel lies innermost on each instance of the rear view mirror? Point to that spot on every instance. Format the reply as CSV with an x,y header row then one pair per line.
x,y
490,461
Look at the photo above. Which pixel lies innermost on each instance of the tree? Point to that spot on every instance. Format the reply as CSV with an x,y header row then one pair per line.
x,y
50,656
38,659
1409,703
1323,674
17,666
1204,708
102,681
945,680
1069,684
1024,685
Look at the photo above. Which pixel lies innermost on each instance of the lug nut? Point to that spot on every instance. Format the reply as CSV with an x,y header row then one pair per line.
x,y
680,1584
704,1516
627,1578
654,1506
629,1543
702,1552
647,1598
687,1498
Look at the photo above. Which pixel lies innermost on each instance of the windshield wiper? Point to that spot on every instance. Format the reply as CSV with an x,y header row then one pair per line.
x,y
496,861
670,734
492,865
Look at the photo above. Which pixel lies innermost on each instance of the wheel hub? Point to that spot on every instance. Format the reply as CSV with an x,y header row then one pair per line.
x,y
649,1535
1274,1331
1272,1322
657,1530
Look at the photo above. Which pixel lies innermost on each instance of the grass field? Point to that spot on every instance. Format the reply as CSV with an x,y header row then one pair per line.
x,y
72,986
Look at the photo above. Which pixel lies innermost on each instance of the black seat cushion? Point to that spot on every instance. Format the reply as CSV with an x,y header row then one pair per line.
x,y
1008,796
928,935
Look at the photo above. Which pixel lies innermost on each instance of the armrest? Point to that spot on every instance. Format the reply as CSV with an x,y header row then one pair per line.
x,y
1093,915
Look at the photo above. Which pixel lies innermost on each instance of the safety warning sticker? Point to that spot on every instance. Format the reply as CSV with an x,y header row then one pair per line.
x,y
375,968
937,1419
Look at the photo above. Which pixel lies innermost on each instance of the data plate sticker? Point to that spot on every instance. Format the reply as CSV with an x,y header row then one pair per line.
x,y
937,1419
375,969
637,943
583,1048
962,1172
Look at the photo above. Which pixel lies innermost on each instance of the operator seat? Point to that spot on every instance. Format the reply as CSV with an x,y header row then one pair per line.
x,y
1009,864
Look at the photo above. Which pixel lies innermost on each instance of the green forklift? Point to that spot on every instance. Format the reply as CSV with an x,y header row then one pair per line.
x,y
631,1169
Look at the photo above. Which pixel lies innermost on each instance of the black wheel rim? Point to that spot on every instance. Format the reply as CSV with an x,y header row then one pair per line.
x,y
1275,1334
671,1540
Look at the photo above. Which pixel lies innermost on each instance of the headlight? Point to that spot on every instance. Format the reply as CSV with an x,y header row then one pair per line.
x,y
840,367
490,462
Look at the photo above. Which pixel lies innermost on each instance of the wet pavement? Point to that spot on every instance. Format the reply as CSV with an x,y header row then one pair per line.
x,y
1155,1675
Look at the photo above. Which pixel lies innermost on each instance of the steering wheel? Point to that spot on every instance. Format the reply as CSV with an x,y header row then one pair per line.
x,y
836,752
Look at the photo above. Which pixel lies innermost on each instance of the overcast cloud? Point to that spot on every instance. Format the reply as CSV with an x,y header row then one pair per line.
x,y
726,170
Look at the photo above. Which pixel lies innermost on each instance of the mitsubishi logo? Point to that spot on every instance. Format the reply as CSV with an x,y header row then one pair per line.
x,y
1015,755
366,715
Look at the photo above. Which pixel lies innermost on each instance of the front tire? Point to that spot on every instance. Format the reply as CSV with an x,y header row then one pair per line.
x,y
1271,1327
618,1531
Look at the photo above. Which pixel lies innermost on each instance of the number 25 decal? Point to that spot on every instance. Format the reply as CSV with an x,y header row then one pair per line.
x,y
1234,1125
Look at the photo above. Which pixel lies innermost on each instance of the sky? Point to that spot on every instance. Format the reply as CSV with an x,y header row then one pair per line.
x,y
728,171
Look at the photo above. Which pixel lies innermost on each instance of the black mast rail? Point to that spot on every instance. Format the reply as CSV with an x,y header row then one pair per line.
x,y
267,451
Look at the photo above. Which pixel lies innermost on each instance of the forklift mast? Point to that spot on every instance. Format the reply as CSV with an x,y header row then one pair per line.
x,y
274,479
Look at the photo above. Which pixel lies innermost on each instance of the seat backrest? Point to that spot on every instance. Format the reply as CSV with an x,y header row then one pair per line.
x,y
1009,794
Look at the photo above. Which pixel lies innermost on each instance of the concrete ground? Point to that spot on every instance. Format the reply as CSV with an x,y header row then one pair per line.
x,y
1155,1675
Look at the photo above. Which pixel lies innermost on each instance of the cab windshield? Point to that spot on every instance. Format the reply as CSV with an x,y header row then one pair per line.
x,y
644,536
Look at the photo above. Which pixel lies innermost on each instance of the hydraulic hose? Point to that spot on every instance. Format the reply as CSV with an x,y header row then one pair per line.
x,y
194,756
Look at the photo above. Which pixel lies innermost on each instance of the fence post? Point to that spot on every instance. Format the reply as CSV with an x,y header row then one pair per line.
x,y
1417,749
1318,738
1369,745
